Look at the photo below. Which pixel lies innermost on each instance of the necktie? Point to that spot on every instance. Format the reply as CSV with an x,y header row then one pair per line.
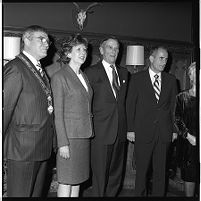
x,y
115,83
156,87
40,69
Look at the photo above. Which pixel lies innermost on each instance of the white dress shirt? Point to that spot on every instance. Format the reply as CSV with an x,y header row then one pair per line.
x,y
32,59
82,80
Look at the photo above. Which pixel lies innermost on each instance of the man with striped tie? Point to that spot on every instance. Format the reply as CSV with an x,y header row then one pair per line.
x,y
29,136
150,104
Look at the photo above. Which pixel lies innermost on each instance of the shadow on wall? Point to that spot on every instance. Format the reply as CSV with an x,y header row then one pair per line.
x,y
49,59
169,63
88,61
120,54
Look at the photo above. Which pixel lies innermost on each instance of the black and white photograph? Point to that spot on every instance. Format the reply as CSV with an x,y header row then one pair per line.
x,y
100,99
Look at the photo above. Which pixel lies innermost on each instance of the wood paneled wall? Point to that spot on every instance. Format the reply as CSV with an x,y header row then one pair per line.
x,y
180,53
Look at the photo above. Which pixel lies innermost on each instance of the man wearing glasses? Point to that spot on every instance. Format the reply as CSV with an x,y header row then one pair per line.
x,y
28,120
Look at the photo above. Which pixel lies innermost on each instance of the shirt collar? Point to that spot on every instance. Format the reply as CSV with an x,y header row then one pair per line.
x,y
107,65
31,58
152,73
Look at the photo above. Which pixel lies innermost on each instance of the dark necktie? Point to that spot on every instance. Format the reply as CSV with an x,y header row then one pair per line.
x,y
115,83
39,68
156,87
42,73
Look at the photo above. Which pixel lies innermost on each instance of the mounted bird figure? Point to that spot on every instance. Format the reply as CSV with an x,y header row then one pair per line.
x,y
81,14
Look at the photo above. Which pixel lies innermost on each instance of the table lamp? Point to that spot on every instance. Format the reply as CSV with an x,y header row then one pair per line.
x,y
135,56
11,47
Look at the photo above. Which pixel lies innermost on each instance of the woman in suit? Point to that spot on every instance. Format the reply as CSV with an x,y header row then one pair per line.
x,y
73,119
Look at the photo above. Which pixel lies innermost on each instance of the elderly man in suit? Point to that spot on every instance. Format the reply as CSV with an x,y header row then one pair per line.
x,y
109,83
28,117
150,106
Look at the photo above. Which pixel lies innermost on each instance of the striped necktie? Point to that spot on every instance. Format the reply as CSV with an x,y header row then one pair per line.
x,y
156,87
115,83
39,68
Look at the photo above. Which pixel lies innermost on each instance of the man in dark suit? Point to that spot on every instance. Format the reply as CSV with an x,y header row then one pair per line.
x,y
28,117
109,83
150,105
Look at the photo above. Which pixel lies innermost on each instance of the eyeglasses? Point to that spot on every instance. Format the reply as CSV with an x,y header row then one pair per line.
x,y
44,40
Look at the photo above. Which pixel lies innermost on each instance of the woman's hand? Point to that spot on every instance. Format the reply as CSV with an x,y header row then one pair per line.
x,y
191,139
131,136
64,152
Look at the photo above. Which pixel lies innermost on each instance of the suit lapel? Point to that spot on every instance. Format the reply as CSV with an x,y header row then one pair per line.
x,y
77,80
119,75
89,92
121,78
46,82
164,83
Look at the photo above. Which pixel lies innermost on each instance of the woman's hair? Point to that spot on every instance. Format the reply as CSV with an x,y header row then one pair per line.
x,y
65,45
192,67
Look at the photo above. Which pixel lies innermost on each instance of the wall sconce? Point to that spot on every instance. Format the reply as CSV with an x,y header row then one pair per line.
x,y
135,55
11,47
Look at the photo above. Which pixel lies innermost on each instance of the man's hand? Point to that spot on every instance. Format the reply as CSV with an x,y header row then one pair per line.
x,y
174,136
64,152
191,139
131,136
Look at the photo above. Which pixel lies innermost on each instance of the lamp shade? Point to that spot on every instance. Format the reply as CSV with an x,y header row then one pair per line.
x,y
11,47
135,55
